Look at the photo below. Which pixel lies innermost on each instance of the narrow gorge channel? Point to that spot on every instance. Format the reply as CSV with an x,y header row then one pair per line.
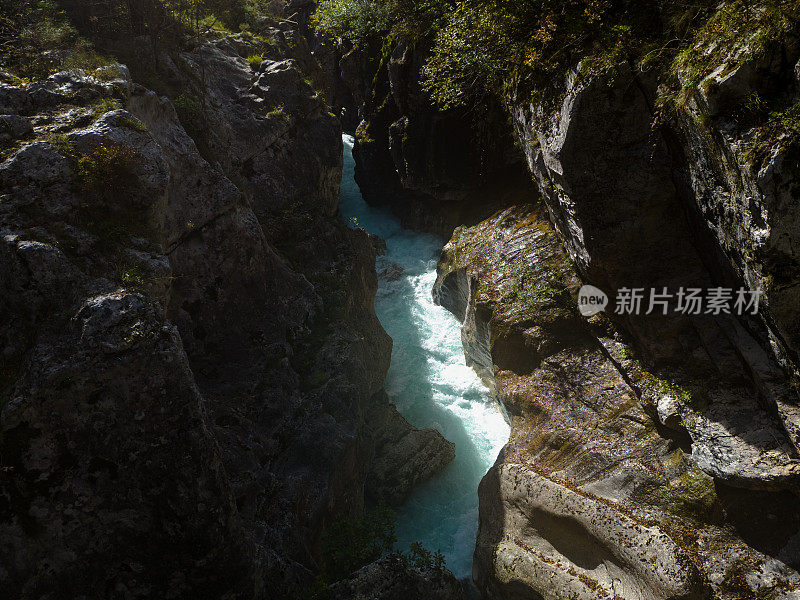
x,y
429,381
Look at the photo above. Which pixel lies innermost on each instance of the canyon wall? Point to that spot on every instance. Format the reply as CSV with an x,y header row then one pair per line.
x,y
651,456
436,169
192,369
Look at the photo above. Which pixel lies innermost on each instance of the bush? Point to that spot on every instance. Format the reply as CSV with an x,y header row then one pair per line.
x,y
101,172
278,112
38,40
255,61
734,33
104,105
189,110
420,557
482,45
354,20
349,544
106,170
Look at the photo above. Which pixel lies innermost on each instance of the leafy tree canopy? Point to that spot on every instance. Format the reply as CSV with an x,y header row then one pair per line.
x,y
481,45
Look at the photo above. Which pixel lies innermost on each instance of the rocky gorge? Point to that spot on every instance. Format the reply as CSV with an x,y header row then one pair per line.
x,y
192,367
194,399
651,455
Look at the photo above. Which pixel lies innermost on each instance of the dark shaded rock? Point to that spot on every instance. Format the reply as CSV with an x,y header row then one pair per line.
x,y
390,579
391,273
404,456
379,244
189,350
745,187
435,169
14,127
632,230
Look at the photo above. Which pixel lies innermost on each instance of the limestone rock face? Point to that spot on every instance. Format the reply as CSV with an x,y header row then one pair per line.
x,y
404,456
390,579
574,546
593,496
744,184
635,230
189,354
435,169
676,434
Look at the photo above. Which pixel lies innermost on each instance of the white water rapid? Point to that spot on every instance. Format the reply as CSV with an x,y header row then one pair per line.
x,y
430,383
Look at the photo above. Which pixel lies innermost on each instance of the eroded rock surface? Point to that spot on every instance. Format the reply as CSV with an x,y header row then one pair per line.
x,y
685,427
190,354
592,496
404,456
390,579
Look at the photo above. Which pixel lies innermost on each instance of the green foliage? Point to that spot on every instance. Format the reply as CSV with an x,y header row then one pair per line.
x,y
37,40
780,126
106,169
488,43
63,144
349,544
256,8
666,387
693,493
472,55
278,112
82,56
255,61
132,276
689,421
421,558
108,73
104,105
731,35
480,46
49,30
532,288
166,20
360,21
130,122
355,20
189,109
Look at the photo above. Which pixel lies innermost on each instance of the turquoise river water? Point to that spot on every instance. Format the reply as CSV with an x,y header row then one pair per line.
x,y
430,383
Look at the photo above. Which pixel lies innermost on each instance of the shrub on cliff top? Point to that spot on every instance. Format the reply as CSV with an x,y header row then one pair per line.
x,y
355,20
362,20
479,46
255,61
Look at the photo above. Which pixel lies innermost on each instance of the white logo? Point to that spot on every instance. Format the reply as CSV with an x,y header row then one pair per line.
x,y
591,300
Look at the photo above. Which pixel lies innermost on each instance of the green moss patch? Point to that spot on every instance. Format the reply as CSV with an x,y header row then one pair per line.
x,y
735,33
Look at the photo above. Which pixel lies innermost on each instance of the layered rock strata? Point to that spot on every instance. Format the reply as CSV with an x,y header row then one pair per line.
x,y
594,496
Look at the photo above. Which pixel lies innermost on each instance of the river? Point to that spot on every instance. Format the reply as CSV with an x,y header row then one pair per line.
x,y
429,382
